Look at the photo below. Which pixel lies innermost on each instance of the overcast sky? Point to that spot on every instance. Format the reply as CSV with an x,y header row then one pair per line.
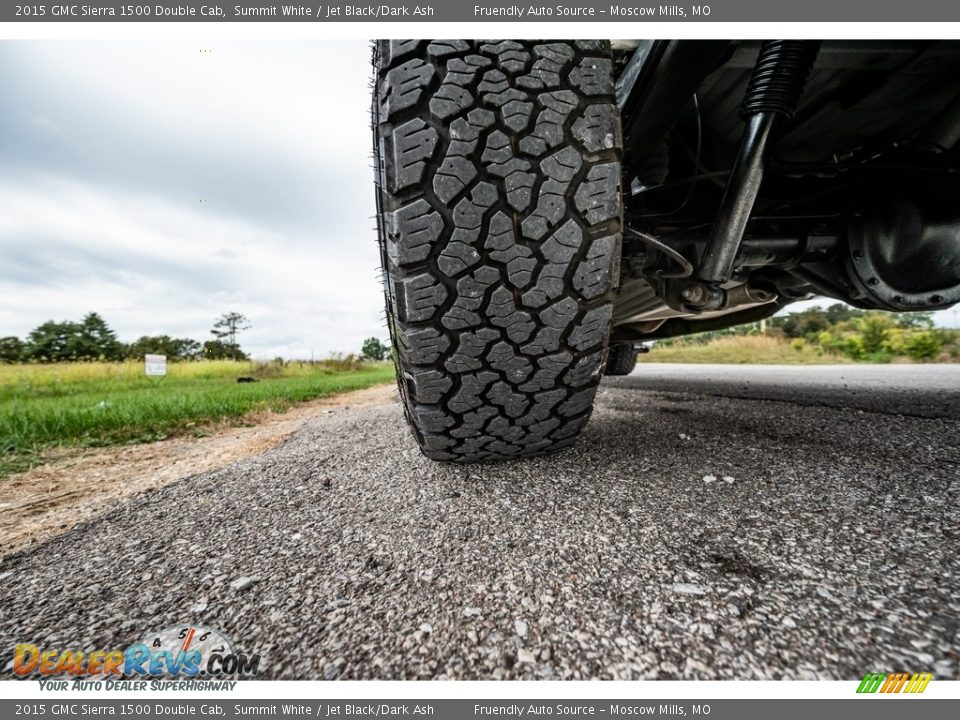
x,y
162,186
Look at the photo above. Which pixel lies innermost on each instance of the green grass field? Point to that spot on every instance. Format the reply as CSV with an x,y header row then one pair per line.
x,y
96,404
741,349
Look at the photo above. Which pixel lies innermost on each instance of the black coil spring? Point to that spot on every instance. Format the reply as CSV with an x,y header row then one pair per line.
x,y
779,77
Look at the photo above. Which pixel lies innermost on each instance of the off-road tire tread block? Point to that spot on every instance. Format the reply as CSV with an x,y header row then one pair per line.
x,y
621,359
499,214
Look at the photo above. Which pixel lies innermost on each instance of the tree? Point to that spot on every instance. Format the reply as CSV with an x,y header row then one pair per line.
x,y
373,349
96,341
915,320
12,349
226,328
219,350
52,342
807,324
90,339
176,348
839,312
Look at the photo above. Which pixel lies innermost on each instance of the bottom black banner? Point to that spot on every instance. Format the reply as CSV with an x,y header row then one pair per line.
x,y
874,707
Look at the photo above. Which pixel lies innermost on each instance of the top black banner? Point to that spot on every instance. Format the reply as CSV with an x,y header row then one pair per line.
x,y
468,11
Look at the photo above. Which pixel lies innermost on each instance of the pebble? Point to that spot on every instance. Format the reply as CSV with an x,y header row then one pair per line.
x,y
521,627
524,656
242,583
690,589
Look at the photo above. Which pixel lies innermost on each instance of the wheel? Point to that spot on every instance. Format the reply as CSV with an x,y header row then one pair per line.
x,y
621,359
499,217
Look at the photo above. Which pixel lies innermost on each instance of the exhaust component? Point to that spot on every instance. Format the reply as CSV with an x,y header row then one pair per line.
x,y
802,244
773,93
709,297
700,296
747,294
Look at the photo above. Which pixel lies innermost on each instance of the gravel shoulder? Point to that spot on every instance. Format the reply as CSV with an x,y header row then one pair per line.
x,y
81,484
687,535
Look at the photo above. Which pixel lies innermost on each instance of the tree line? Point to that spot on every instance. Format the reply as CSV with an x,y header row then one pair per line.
x,y
867,335
93,339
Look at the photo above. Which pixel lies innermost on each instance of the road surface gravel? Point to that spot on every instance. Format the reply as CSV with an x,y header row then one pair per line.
x,y
712,523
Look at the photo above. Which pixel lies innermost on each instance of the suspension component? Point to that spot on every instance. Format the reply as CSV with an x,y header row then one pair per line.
x,y
773,93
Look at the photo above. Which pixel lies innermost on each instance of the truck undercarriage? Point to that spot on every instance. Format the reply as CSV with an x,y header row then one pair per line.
x,y
760,173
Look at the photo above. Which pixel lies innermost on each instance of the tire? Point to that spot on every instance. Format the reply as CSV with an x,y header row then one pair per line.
x,y
621,359
499,218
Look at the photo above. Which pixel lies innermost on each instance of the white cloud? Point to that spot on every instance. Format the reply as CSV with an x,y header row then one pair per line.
x,y
161,187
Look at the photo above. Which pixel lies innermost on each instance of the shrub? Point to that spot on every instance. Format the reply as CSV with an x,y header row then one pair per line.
x,y
874,327
854,347
922,345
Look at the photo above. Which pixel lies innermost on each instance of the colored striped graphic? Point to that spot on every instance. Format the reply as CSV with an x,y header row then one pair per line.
x,y
188,639
894,682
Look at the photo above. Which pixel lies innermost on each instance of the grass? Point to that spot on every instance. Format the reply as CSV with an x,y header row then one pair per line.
x,y
97,404
741,349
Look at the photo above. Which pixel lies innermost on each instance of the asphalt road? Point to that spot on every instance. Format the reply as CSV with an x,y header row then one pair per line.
x,y
735,522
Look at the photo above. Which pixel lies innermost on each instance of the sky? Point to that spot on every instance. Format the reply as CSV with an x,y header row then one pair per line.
x,y
162,186
164,183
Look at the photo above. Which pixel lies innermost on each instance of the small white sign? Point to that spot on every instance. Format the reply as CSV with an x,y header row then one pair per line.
x,y
156,365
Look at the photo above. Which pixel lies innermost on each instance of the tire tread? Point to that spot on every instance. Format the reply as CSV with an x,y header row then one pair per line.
x,y
498,168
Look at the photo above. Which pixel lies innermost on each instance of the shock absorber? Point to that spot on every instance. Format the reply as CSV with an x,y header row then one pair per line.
x,y
774,92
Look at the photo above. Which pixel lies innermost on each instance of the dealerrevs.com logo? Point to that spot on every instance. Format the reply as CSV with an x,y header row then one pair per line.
x,y
188,651
895,683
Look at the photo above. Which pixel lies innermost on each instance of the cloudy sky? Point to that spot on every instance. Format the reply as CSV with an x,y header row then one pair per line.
x,y
162,186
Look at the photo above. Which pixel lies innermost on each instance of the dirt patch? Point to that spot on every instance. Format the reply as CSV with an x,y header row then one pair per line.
x,y
51,499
